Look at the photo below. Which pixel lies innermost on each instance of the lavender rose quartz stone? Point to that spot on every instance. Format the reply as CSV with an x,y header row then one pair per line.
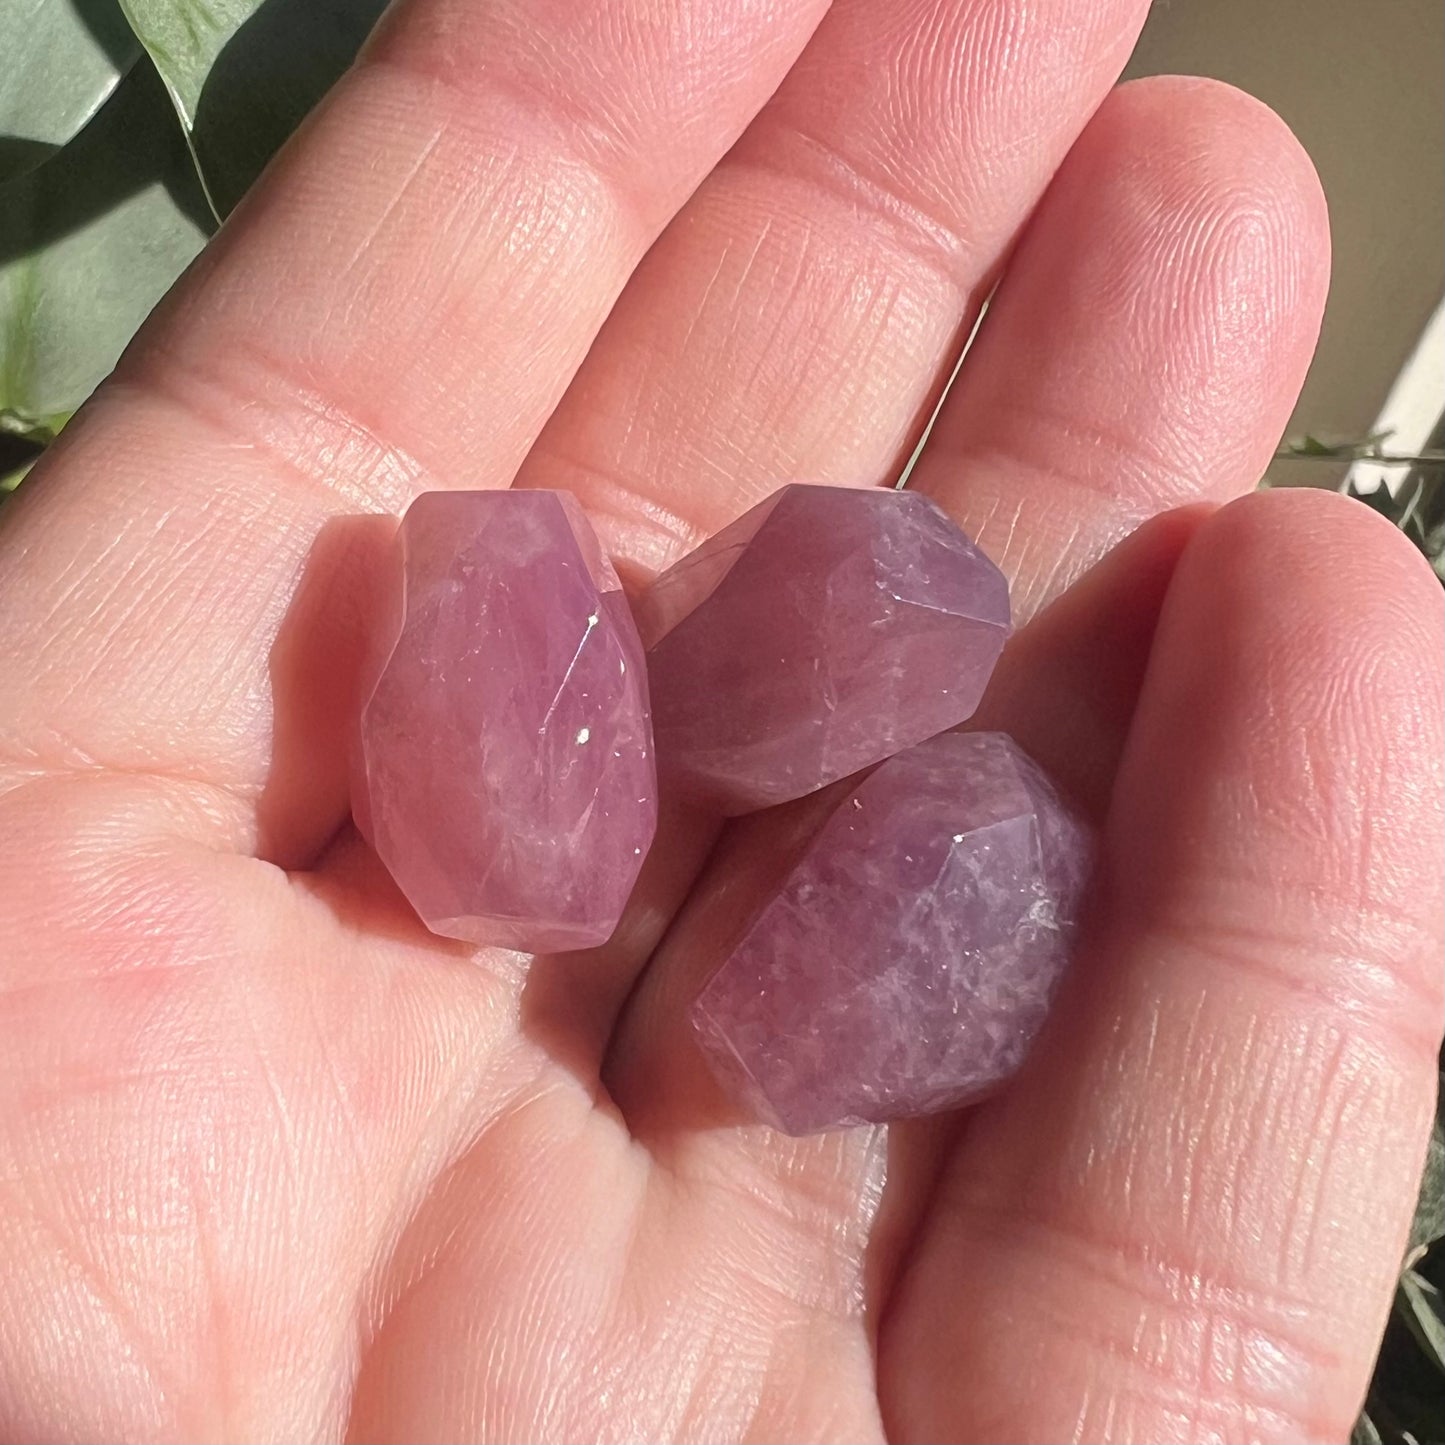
x,y
824,630
906,963
504,771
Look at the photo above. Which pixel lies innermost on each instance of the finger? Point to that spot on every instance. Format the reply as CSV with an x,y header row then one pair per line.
x,y
1185,1219
399,304
1148,339
800,315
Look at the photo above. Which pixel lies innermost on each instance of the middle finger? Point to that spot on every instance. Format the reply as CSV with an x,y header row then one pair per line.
x,y
799,316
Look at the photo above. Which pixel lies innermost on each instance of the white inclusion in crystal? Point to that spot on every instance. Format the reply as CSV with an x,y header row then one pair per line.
x,y
583,734
592,620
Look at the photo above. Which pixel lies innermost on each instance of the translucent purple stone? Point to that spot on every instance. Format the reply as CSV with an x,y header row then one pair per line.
x,y
906,963
505,772
826,629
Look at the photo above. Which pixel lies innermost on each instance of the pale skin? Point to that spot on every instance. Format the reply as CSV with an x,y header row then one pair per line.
x,y
277,1165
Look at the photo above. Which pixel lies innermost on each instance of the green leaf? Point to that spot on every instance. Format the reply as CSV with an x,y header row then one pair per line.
x,y
1423,1310
62,58
17,456
1429,1222
22,439
243,73
12,477
1406,1400
1311,446
89,241
38,431
1366,1432
1342,449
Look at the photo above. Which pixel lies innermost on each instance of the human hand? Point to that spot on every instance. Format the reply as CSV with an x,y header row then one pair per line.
x,y
277,1164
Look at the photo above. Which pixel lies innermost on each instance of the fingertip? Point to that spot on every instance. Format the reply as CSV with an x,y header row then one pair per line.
x,y
1240,147
1148,340
1322,557
1311,536
1245,252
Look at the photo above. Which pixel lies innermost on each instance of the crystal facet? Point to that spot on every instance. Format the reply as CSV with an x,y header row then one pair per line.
x,y
505,771
824,630
907,961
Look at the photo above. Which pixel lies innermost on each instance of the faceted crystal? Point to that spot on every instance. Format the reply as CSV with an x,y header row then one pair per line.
x,y
824,630
505,772
906,962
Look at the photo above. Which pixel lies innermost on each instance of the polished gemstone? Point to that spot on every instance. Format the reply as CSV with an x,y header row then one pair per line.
x,y
505,770
824,630
907,961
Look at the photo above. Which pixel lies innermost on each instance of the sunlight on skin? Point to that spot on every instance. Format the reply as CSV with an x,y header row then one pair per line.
x,y
274,1163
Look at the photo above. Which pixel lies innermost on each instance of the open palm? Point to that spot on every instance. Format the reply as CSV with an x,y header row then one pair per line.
x,y
275,1164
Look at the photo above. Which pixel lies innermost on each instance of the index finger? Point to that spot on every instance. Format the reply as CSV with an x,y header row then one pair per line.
x,y
400,302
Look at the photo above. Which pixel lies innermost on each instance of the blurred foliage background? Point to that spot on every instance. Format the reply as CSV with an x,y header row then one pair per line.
x,y
128,131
